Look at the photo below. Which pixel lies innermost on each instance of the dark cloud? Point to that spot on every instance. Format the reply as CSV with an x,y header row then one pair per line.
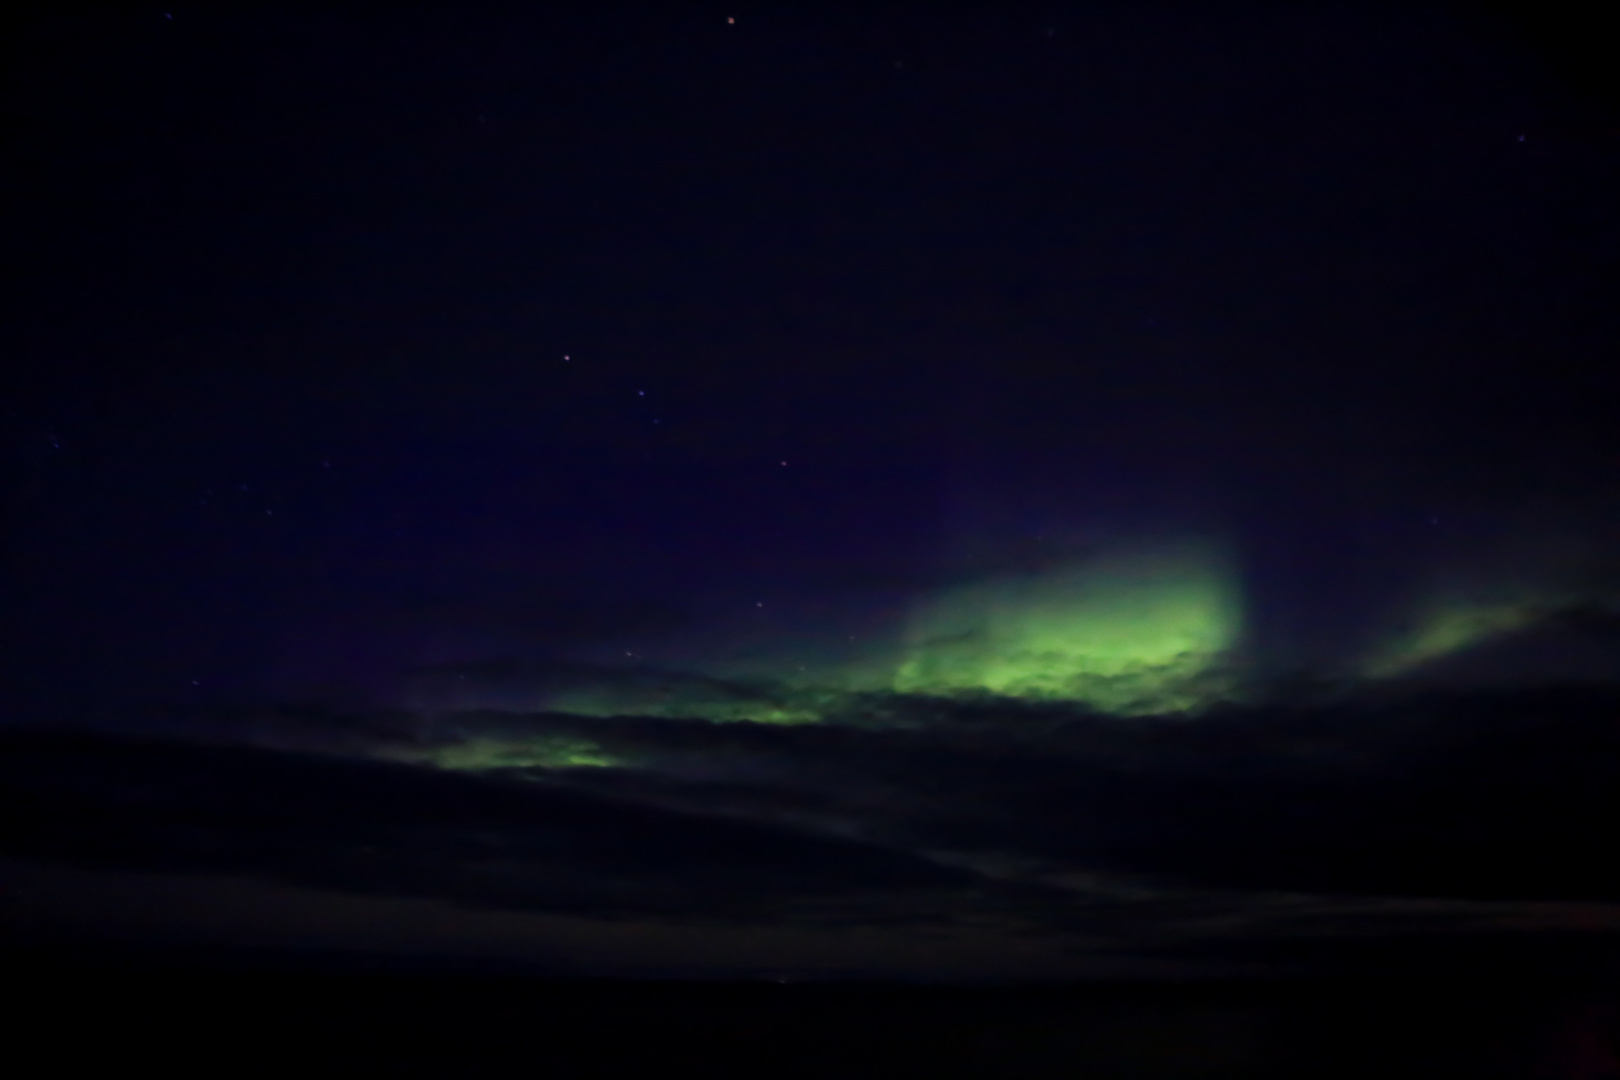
x,y
1408,816
403,830
1503,796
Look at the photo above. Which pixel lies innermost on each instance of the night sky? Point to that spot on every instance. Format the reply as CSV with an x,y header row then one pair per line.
x,y
1066,492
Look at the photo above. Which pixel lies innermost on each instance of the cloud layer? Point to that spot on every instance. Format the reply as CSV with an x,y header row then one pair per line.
x,y
1235,833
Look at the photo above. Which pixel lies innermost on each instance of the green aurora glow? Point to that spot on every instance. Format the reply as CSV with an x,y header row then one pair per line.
x,y
1153,630
1131,633
1138,632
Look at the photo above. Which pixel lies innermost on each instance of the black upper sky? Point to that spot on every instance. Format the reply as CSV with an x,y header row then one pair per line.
x,y
332,319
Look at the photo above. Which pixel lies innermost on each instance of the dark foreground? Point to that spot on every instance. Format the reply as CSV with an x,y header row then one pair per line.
x,y
202,1016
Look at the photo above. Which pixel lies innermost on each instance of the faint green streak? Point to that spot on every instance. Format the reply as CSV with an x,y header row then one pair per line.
x,y
545,752
1445,631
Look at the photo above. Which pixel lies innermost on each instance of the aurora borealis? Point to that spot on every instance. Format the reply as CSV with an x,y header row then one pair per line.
x,y
1098,495
1148,628
1133,631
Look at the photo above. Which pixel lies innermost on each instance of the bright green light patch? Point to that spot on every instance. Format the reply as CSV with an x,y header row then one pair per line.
x,y
545,752
1137,633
